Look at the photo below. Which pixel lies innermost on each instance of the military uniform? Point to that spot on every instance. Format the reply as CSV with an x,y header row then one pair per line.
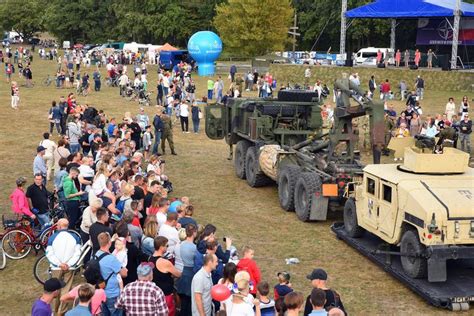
x,y
447,137
389,125
167,133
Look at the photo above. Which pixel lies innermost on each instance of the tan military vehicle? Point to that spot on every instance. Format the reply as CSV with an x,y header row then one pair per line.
x,y
424,206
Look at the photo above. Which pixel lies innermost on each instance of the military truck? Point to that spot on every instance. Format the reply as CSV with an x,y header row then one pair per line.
x,y
284,140
422,209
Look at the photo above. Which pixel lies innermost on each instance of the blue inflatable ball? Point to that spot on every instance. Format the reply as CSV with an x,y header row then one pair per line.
x,y
205,47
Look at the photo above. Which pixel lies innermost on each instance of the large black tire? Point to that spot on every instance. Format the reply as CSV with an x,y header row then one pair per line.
x,y
255,177
239,158
307,184
287,178
416,267
350,220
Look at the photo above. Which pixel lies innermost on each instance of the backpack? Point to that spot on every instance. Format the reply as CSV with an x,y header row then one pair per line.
x,y
121,204
93,269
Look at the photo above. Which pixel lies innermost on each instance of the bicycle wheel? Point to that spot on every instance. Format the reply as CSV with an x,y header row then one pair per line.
x,y
44,236
3,259
17,244
42,270
72,231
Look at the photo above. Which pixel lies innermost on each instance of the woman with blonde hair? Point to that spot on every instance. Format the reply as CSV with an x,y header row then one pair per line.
x,y
125,201
239,304
154,207
150,231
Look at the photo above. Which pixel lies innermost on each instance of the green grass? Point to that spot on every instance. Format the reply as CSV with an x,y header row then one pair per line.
x,y
201,171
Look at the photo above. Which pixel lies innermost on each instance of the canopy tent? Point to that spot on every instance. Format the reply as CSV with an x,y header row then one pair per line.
x,y
168,47
409,9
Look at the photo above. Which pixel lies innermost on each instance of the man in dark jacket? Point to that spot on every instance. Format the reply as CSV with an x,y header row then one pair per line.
x,y
318,280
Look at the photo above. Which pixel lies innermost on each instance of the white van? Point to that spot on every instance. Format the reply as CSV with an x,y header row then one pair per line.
x,y
368,56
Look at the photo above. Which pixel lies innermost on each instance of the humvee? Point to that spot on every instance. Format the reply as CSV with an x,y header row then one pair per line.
x,y
424,206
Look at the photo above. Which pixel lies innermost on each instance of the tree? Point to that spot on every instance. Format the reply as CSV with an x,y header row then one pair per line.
x,y
80,20
26,19
254,27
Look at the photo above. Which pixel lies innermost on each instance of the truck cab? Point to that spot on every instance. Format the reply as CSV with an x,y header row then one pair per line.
x,y
425,207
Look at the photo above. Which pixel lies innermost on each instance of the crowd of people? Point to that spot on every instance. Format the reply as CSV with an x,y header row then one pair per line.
x,y
148,254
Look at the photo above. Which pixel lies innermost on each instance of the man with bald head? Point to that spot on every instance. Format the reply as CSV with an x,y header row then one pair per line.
x,y
63,252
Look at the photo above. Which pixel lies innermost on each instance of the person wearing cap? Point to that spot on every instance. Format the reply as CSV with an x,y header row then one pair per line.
x,y
42,306
19,201
318,279
63,252
284,286
143,297
39,165
38,202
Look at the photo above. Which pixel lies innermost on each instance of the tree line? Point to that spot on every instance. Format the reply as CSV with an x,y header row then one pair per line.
x,y
247,27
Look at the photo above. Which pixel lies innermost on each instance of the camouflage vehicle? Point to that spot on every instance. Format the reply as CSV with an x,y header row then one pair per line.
x,y
285,140
424,206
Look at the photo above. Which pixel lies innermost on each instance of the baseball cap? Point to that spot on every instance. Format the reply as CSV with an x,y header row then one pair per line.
x,y
285,275
40,149
53,284
317,274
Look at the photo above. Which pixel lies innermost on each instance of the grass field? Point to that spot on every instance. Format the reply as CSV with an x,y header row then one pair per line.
x,y
201,171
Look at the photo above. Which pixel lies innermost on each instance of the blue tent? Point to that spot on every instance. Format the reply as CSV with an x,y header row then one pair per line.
x,y
409,9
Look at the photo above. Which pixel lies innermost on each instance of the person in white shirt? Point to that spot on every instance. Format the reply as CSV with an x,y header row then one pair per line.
x,y
86,174
184,116
49,154
123,81
450,109
168,230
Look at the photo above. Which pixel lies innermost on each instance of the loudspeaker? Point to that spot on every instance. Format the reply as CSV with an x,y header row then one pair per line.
x,y
381,65
445,63
349,61
413,67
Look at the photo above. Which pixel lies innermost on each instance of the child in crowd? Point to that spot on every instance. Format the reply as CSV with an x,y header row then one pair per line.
x,y
284,286
120,253
147,143
267,305
248,264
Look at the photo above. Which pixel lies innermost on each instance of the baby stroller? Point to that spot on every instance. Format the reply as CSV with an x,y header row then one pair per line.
x,y
144,97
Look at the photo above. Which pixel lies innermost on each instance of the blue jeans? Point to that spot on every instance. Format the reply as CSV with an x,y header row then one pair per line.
x,y
111,310
196,126
43,219
74,148
157,142
209,94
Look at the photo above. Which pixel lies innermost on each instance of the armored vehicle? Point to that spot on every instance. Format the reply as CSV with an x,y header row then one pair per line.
x,y
424,208
285,140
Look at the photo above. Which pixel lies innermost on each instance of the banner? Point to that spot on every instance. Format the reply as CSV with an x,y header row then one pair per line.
x,y
439,32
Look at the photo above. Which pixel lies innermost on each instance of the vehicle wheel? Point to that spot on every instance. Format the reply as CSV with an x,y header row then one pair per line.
x,y
255,177
307,184
17,244
416,267
239,158
42,269
350,220
286,186
3,259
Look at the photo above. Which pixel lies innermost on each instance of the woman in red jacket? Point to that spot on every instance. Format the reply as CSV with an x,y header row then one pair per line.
x,y
248,264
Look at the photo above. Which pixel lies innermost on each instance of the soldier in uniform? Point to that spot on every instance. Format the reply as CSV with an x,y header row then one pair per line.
x,y
389,126
447,137
167,133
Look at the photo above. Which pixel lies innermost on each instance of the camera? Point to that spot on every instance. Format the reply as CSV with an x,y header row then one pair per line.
x,y
224,239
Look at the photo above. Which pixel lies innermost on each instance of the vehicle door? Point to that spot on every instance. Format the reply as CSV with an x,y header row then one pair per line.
x,y
387,208
371,200
215,121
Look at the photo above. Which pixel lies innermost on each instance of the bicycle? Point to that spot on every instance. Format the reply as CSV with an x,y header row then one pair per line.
x,y
21,236
3,259
47,82
82,91
42,269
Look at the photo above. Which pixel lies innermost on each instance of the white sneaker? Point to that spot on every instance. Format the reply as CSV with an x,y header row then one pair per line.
x,y
187,132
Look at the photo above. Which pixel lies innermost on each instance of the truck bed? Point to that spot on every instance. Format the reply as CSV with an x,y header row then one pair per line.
x,y
459,288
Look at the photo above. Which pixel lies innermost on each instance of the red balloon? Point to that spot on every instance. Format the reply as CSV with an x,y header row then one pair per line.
x,y
220,292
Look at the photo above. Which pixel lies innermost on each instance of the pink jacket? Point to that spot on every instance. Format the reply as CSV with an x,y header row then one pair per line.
x,y
20,203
